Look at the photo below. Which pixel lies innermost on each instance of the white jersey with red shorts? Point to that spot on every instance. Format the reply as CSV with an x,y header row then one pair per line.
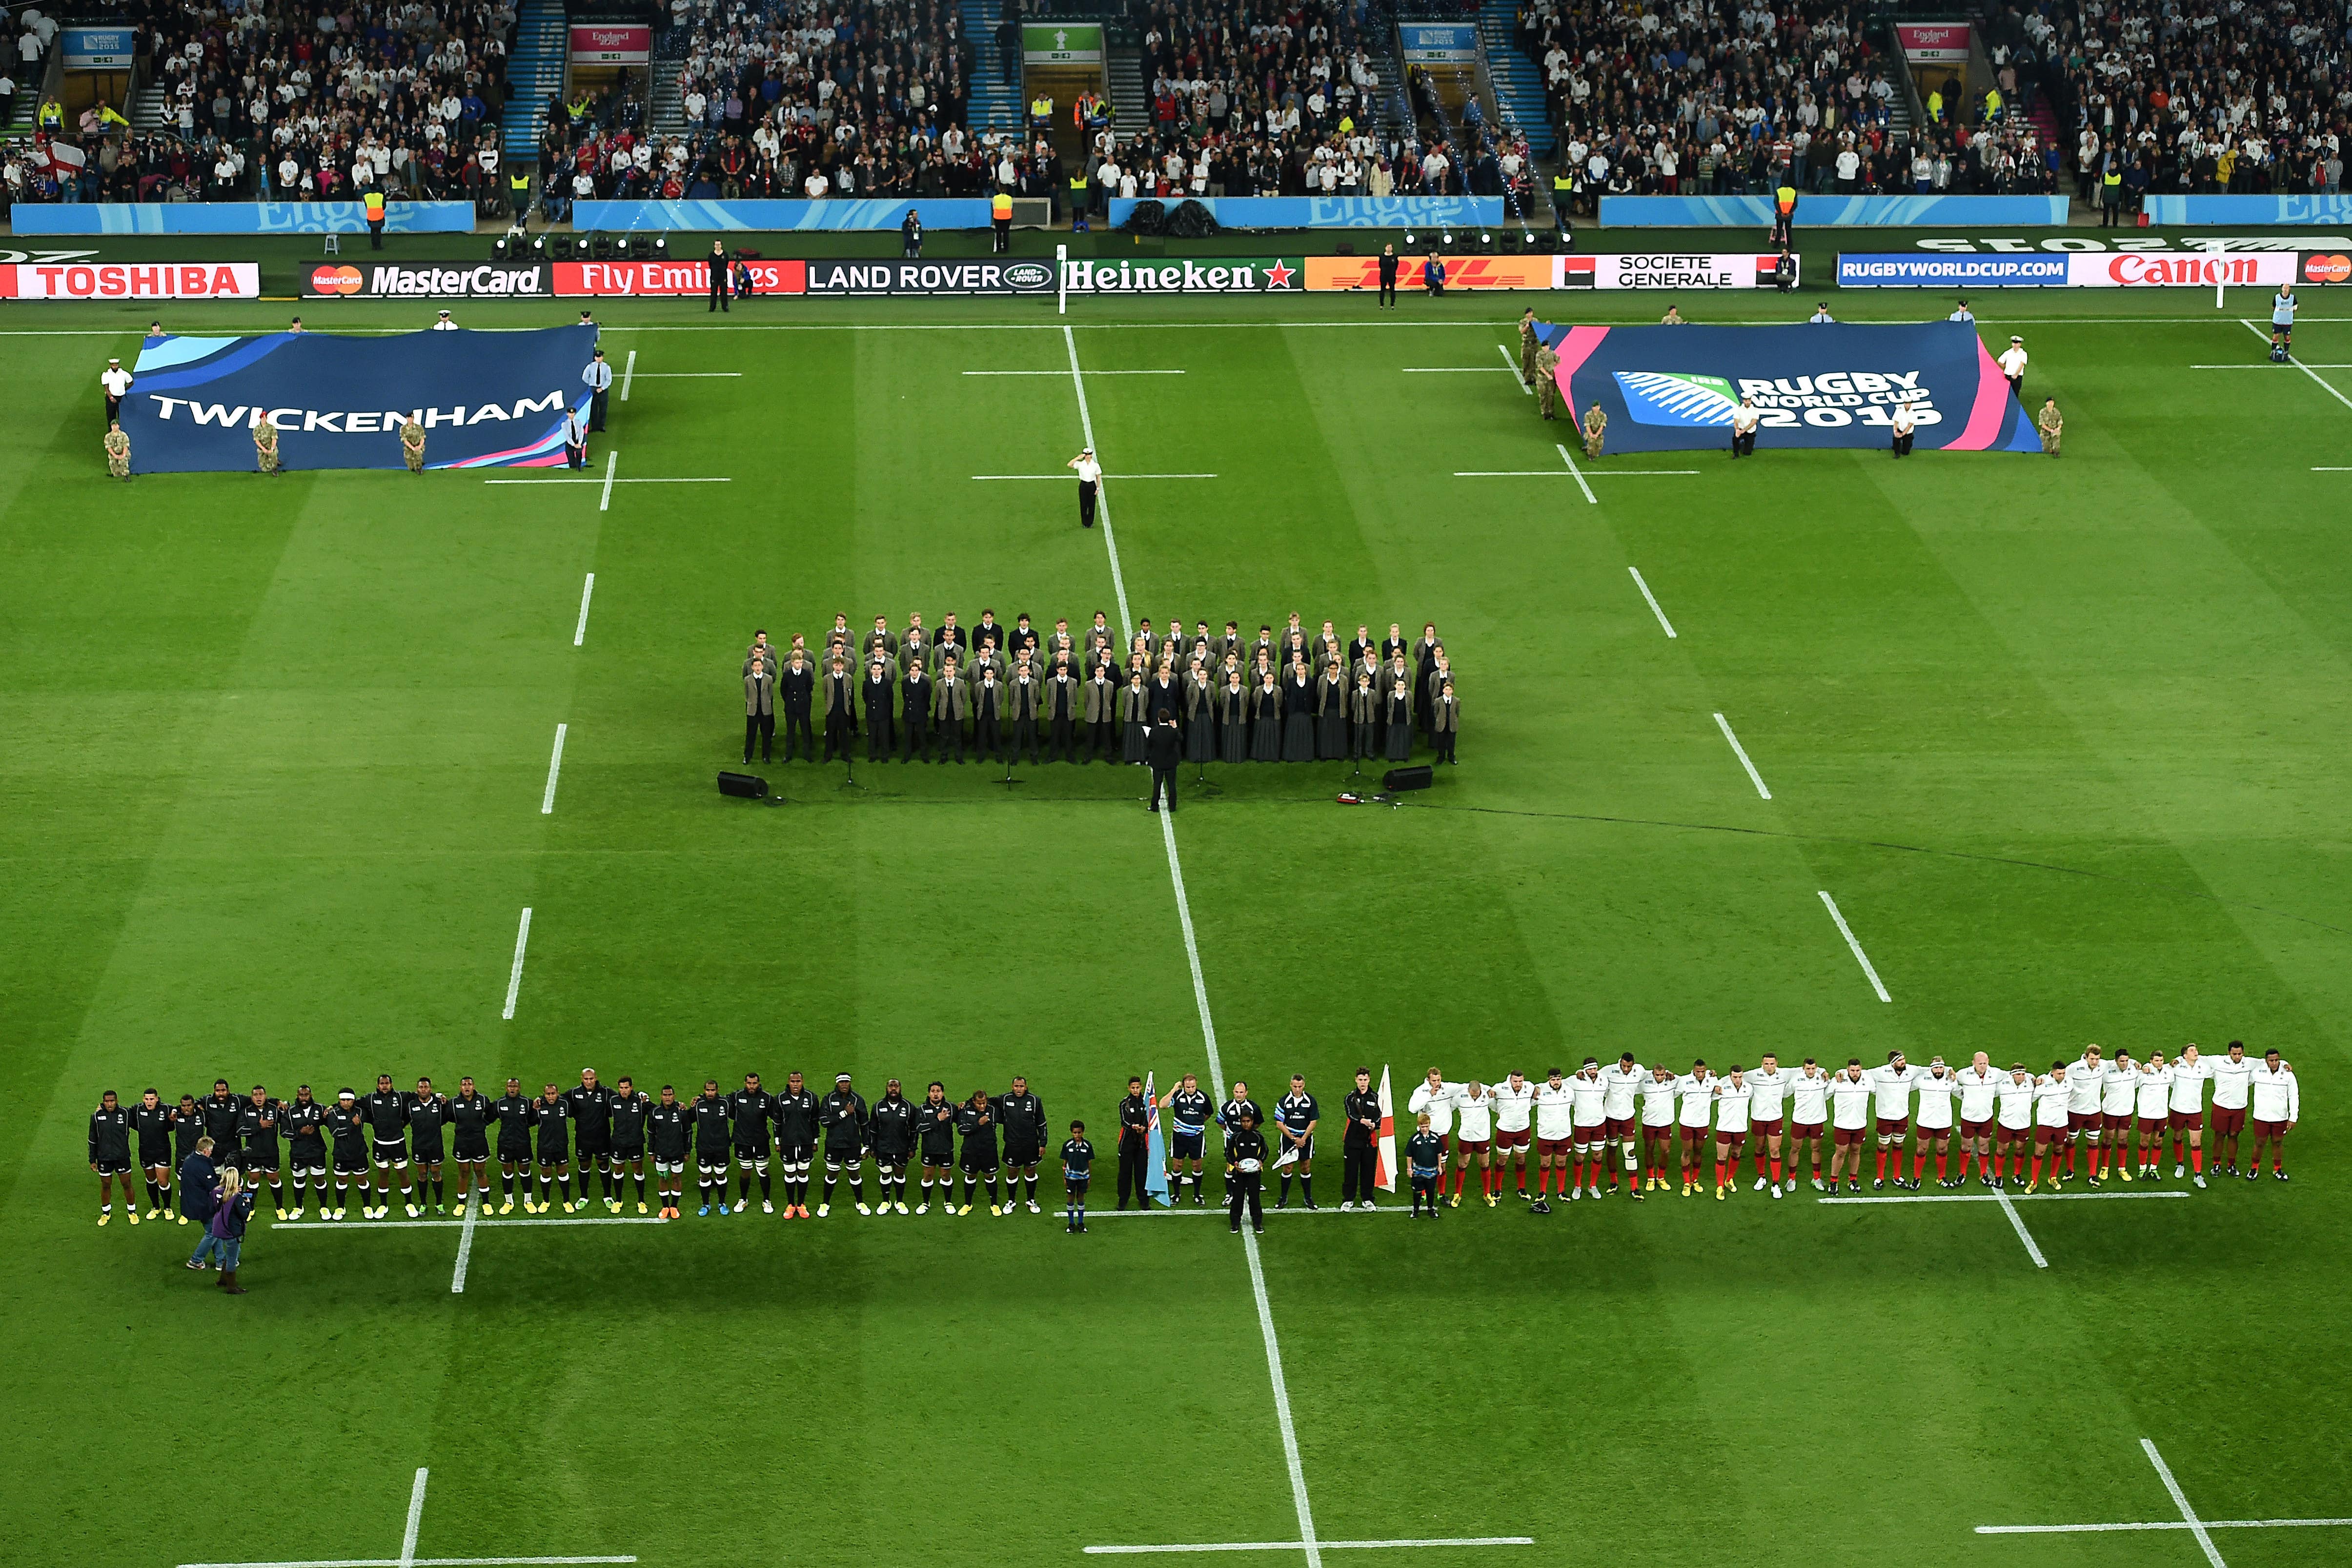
x,y
2116,1094
2053,1110
1936,1090
1978,1092
2188,1081
1892,1097
1555,1126
1620,1084
1733,1101
2277,1100
1767,1098
1850,1101
1658,1103
2016,1098
1809,1103
2152,1094
1514,1108
1589,1099
2232,1083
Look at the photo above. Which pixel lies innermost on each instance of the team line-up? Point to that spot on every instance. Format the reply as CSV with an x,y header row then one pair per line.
x,y
2113,1116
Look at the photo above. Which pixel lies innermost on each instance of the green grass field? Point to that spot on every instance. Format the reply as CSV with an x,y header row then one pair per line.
x,y
2067,743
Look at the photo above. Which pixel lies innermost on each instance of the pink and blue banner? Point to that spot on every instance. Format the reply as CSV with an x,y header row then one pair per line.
x,y
485,399
1669,389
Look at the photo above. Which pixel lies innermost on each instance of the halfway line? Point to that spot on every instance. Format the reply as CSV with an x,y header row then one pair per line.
x,y
1089,373
514,980
1097,495
2151,1524
1665,625
411,1563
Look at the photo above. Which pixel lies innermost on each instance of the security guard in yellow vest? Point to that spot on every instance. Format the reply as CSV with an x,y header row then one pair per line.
x,y
2111,194
375,220
1078,199
1784,209
1563,193
518,193
1041,111
1000,219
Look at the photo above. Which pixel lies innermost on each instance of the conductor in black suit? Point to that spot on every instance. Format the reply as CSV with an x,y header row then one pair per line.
x,y
1163,749
717,276
1388,275
795,691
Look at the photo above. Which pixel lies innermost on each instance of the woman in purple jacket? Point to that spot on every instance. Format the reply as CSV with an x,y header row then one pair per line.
x,y
224,1236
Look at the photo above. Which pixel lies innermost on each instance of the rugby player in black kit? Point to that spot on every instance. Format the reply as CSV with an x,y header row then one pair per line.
x,y
669,1127
626,1115
304,1121
512,1113
428,1113
891,1131
385,1111
470,1115
590,1105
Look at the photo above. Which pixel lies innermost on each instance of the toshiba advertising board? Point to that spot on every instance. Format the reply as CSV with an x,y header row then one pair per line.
x,y
111,280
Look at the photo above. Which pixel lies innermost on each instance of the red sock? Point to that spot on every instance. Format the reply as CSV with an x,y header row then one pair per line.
x,y
2197,1159
2070,1159
1523,1178
1776,1173
1939,1166
1759,1162
1881,1167
1920,1166
1996,1167
2037,1167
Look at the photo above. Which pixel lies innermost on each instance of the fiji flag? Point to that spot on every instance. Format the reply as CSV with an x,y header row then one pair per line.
x,y
1384,1171
1155,1160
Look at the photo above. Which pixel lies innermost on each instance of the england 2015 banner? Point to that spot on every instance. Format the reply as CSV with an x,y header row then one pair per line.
x,y
485,399
1674,388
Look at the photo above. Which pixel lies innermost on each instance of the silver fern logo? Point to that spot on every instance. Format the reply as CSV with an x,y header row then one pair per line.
x,y
1676,398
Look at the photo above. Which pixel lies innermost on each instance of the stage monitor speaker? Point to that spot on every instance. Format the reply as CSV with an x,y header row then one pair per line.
x,y
1397,779
750,786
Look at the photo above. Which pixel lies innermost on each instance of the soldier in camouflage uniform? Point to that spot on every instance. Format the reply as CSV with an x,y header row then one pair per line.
x,y
118,450
265,446
1527,348
412,445
1595,424
2052,424
1547,381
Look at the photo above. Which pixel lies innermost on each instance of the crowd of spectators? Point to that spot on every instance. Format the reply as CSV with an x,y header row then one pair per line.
x,y
2209,96
297,101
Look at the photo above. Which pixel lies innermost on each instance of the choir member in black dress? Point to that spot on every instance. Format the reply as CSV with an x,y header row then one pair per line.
x,y
1298,710
1364,718
1331,712
880,737
1265,720
1233,720
1199,717
1134,717
1399,718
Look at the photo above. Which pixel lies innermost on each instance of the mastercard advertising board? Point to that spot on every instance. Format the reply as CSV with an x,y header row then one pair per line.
x,y
2325,267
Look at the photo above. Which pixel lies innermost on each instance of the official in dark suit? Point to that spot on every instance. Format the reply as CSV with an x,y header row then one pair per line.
x,y
796,685
1163,750
759,706
717,269
1388,277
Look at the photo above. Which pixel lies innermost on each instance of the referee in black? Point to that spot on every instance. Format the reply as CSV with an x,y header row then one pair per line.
x,y
1356,1166
1388,277
1089,473
1134,1127
717,276
1245,1174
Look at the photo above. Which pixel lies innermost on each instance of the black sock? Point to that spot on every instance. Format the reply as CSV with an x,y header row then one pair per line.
x,y
767,1188
1306,1189
1286,1187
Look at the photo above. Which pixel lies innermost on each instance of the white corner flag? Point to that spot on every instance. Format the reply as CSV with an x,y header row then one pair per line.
x,y
1384,1171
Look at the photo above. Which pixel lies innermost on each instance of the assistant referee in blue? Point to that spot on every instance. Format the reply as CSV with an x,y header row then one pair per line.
x,y
599,377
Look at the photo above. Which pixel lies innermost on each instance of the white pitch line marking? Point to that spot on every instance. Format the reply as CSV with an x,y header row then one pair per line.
x,y
1741,752
457,1223
1459,369
628,375
608,484
1562,448
1557,474
2324,386
2266,364
2005,1198
1513,366
514,980
416,1517
611,467
1102,498
1218,1213
1859,956
1089,372
1064,478
2180,1498
416,1563
2017,1224
587,592
1665,625
692,374
1325,1545
465,1245
2332,470
554,767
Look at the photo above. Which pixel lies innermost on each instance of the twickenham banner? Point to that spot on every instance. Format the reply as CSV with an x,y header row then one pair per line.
x,y
485,399
1673,388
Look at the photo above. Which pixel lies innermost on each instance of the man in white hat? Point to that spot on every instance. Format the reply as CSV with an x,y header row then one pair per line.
x,y
2012,365
117,380
1089,485
445,324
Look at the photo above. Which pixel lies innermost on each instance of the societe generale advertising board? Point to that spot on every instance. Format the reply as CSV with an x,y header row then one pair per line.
x,y
146,280
1659,269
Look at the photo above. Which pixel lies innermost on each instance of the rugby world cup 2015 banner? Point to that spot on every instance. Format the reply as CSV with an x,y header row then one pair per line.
x,y
1674,388
236,218
485,399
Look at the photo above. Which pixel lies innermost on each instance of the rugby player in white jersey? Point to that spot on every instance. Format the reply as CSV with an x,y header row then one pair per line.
x,y
1936,1087
1589,1132
1733,1096
2191,1073
2118,1093
1695,1094
1515,1104
1767,1110
2012,1122
1657,1125
2087,1076
2233,1077
1474,1135
1979,1085
1851,1092
1892,1084
2152,1110
1623,1080
2053,1117
1555,1133
1436,1096
2276,1107
1808,1118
